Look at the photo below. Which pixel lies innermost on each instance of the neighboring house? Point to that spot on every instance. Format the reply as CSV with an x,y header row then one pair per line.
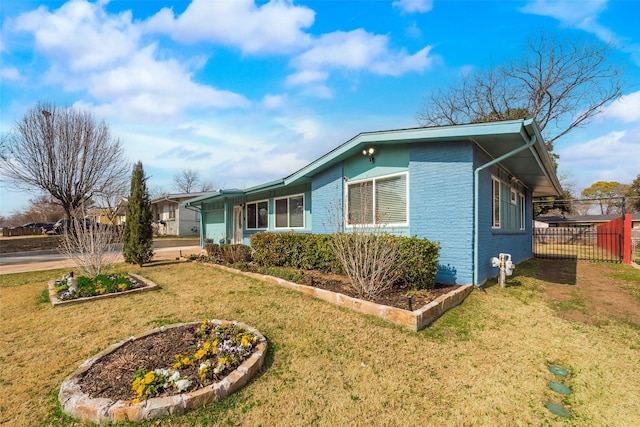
x,y
172,218
583,221
468,187
110,216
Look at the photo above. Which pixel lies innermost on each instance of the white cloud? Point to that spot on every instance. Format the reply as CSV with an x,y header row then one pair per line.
x,y
307,76
611,157
273,27
627,109
582,15
157,88
305,128
81,34
411,6
10,73
274,101
355,50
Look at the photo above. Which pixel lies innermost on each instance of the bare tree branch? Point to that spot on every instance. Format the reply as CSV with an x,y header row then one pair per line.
x,y
562,83
65,153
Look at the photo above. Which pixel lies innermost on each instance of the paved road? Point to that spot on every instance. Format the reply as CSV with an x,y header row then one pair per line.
x,y
20,262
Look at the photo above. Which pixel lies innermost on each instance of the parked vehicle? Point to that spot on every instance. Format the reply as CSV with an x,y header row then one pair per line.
x,y
63,224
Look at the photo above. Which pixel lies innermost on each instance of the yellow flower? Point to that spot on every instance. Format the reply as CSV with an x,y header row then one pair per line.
x,y
140,389
135,401
206,346
200,354
149,377
186,361
222,361
245,342
177,365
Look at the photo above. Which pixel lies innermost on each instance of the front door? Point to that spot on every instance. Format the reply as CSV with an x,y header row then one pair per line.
x,y
237,224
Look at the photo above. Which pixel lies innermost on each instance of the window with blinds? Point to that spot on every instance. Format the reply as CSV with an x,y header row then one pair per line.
x,y
378,201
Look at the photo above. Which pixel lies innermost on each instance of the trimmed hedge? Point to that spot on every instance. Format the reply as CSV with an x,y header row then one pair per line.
x,y
418,257
296,250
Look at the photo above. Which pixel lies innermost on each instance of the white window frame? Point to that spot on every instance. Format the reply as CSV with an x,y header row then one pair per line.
x,y
523,211
514,197
374,206
495,219
246,214
275,212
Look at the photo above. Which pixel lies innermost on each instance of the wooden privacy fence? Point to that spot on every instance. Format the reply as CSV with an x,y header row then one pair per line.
x,y
20,231
610,242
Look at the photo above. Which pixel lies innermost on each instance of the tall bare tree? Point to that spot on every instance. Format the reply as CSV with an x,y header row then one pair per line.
x,y
66,153
562,83
189,181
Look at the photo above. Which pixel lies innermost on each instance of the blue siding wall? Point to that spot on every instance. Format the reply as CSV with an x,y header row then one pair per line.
x,y
327,198
509,238
441,205
214,226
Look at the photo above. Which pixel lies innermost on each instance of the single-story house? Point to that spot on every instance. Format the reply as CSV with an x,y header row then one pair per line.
x,y
172,218
468,187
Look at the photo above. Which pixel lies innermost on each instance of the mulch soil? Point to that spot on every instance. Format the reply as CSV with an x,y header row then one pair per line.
x,y
112,376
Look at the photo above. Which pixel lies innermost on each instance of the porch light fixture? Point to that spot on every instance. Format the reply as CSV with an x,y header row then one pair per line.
x,y
369,152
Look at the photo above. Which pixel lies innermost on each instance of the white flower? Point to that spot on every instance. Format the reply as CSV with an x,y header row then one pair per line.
x,y
183,384
174,377
163,372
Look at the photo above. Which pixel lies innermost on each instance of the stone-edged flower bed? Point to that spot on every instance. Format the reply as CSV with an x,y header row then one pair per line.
x,y
112,286
416,320
77,399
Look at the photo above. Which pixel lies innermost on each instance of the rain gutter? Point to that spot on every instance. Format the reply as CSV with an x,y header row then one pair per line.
x,y
476,186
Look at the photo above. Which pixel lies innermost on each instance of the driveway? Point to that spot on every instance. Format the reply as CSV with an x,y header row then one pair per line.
x,y
20,262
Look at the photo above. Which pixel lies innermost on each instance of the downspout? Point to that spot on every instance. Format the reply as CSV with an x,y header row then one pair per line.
x,y
476,208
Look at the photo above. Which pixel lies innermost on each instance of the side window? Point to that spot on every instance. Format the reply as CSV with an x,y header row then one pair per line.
x,y
523,212
495,217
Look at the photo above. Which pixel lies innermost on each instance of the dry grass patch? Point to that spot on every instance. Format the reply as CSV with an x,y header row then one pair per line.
x,y
482,363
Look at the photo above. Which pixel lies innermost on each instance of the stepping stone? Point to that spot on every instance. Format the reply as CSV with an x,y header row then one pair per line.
x,y
558,370
559,388
558,410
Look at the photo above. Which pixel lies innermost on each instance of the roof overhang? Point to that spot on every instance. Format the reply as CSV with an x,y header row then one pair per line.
x,y
532,167
213,196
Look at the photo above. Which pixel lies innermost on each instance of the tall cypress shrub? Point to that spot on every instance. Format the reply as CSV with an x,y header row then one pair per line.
x,y
138,232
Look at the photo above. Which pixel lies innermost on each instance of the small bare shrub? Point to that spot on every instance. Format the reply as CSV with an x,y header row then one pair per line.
x,y
367,254
89,244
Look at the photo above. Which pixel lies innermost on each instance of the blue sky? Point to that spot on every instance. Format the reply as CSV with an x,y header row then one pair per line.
x,y
249,91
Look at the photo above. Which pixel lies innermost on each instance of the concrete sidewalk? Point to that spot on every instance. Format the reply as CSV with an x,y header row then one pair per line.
x,y
43,262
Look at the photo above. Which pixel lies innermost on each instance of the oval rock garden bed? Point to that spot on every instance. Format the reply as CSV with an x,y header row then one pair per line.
x,y
167,371
69,290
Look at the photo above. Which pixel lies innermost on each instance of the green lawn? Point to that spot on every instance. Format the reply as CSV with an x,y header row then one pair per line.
x,y
483,363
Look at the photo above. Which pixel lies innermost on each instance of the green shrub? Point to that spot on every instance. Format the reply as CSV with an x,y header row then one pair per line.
x,y
297,250
419,261
418,258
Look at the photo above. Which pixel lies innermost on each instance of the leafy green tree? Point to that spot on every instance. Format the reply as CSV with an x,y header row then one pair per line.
x,y
609,195
138,232
634,194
